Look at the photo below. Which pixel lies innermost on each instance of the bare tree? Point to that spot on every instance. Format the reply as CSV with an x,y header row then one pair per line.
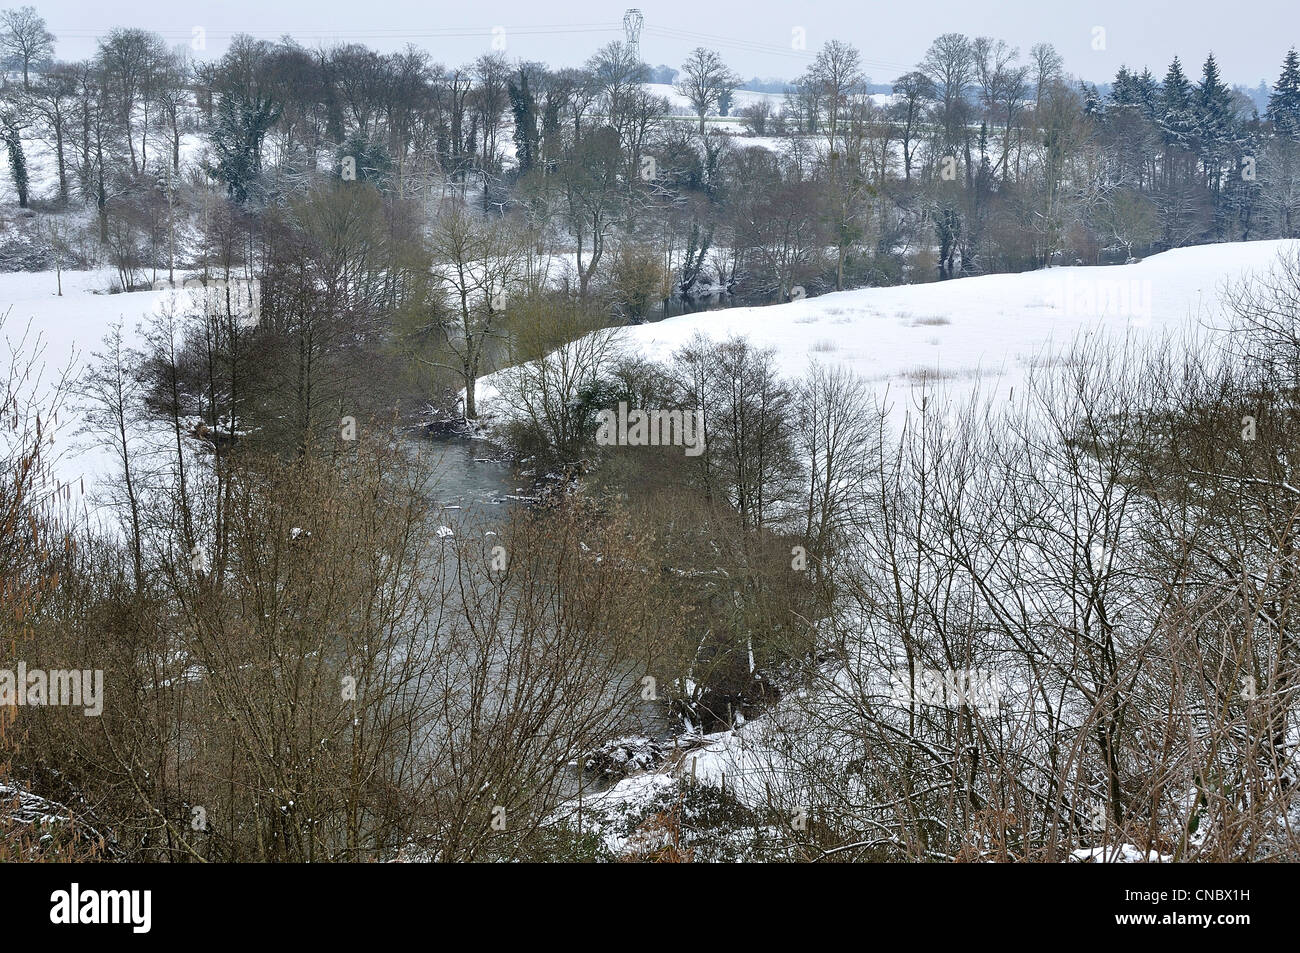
x,y
1047,64
704,80
24,38
129,60
477,261
54,101
915,91
837,72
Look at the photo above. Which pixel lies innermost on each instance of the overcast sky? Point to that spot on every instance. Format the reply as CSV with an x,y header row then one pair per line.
x,y
756,37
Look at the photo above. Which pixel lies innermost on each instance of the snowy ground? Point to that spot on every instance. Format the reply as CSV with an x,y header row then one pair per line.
x,y
980,333
62,334
740,98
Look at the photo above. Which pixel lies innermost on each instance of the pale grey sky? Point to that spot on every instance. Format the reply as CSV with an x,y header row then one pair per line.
x,y
756,37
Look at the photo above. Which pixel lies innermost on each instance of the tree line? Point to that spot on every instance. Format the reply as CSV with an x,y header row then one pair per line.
x,y
980,161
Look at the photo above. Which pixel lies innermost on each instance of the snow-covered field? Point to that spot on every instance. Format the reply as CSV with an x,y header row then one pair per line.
x,y
982,333
740,98
62,334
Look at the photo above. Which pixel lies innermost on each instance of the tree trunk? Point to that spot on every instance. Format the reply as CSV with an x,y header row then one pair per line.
x,y
471,403
63,167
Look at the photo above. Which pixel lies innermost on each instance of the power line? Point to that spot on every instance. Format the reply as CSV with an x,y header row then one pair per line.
x,y
449,32
470,32
755,46
746,45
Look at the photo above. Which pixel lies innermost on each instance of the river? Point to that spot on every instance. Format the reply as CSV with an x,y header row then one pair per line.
x,y
472,481
470,476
